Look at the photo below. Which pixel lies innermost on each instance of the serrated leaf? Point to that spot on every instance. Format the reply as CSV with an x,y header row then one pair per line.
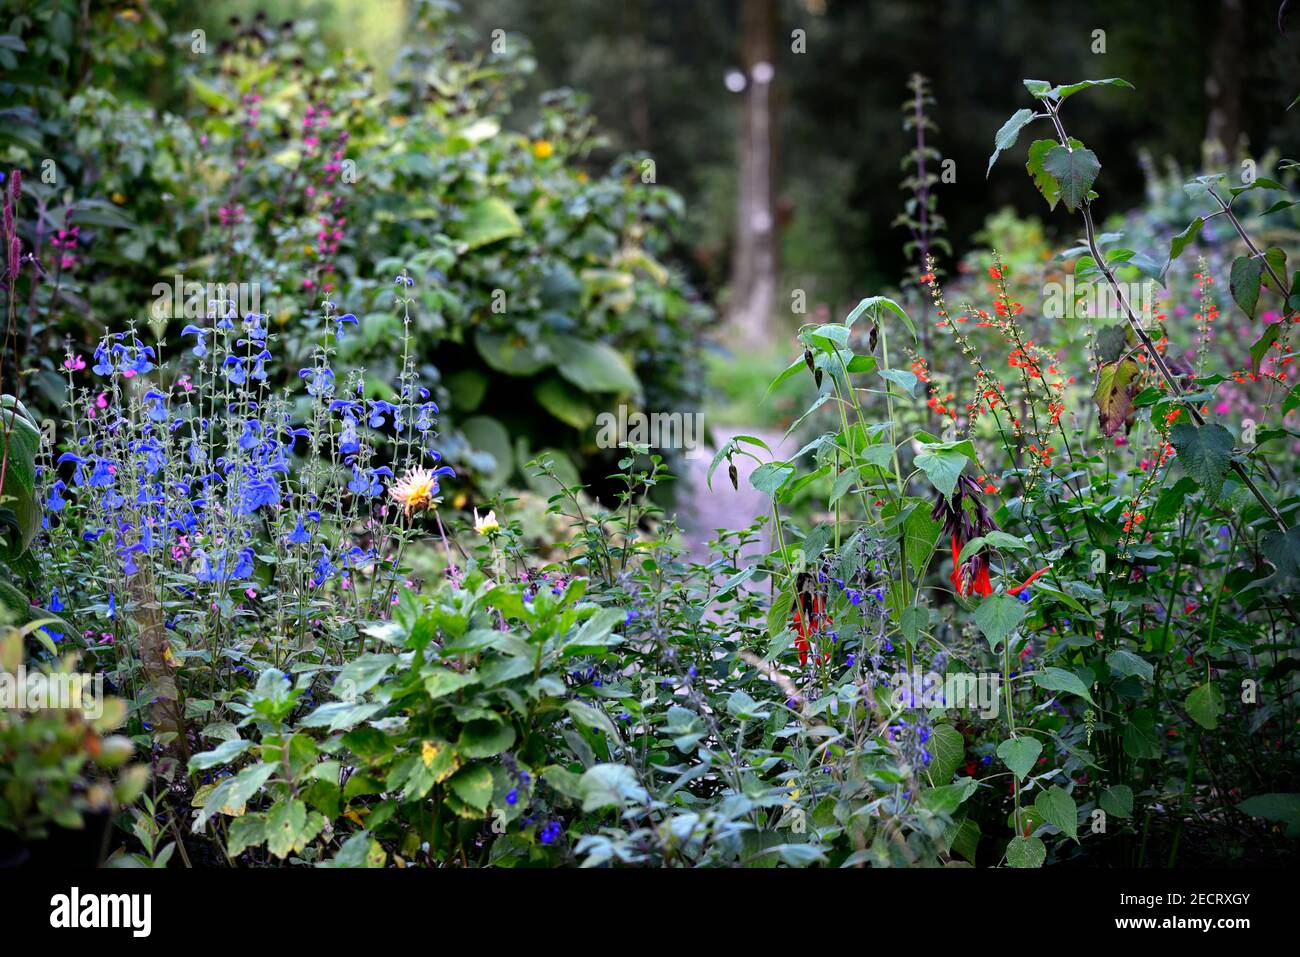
x,y
1243,283
1006,137
1205,452
1075,171
473,785
997,617
1026,852
1059,809
947,747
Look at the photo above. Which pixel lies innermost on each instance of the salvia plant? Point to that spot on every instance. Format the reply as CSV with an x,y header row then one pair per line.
x,y
201,518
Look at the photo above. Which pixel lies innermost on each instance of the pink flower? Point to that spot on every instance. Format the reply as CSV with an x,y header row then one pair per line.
x,y
1121,440
75,364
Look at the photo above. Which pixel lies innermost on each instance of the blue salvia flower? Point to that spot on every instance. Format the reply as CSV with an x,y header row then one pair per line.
x,y
348,441
320,382
103,362
244,565
233,369
200,342
299,535
378,409
156,402
55,502
346,318
102,476
259,366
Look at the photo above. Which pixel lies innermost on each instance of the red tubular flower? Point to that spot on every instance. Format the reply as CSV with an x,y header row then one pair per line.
x,y
816,624
1028,581
961,525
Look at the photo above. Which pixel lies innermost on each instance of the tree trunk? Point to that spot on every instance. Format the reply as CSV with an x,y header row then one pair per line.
x,y
754,259
1223,83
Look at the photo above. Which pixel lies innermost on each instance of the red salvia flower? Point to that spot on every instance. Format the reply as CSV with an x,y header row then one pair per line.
x,y
815,625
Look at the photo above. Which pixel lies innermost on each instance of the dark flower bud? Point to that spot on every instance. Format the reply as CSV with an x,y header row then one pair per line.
x,y
817,377
735,479
808,359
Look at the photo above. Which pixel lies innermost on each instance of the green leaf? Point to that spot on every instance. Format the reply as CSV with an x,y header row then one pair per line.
x,y
1059,809
1125,663
1185,238
902,378
24,439
596,632
512,354
1140,739
1075,171
230,796
487,221
942,467
947,748
596,367
224,753
286,827
770,476
997,617
1260,347
610,785
484,738
440,682
745,707
1019,754
1117,384
1061,92
1284,808
486,434
565,402
361,674
245,832
1204,704
1243,283
210,96
1006,137
790,371
1205,453
876,303
912,623
473,785
964,838
1047,183
1117,800
1029,852
1058,679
